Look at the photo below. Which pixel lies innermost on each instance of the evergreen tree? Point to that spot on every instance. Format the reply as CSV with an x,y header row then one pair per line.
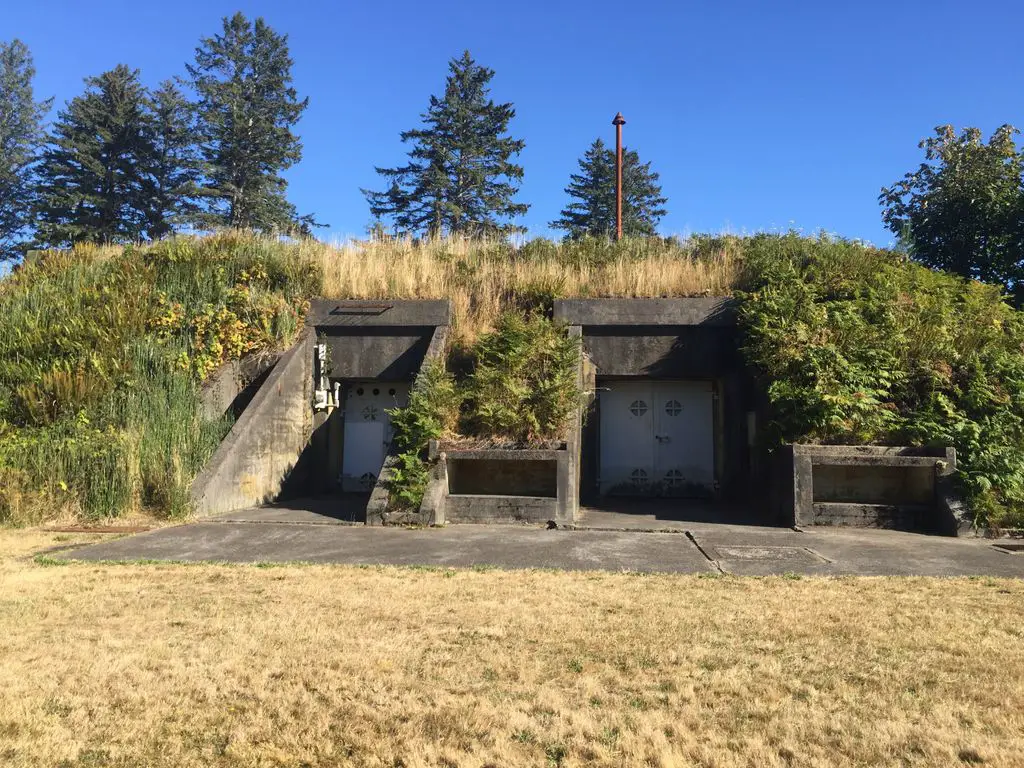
x,y
460,178
172,178
93,185
247,109
592,211
21,135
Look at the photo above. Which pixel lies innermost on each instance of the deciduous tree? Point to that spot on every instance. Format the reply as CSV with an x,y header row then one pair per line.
x,y
961,209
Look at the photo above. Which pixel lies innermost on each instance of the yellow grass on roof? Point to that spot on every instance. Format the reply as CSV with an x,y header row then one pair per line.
x,y
481,278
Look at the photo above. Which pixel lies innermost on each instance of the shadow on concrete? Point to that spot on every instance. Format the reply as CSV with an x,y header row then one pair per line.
x,y
333,509
657,513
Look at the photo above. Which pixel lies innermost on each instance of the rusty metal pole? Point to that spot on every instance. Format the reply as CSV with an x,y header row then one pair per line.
x,y
618,122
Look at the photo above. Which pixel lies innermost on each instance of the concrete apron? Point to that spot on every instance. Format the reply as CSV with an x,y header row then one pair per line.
x,y
708,548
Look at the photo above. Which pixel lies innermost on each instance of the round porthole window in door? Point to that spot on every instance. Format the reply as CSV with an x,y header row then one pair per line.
x,y
674,479
638,407
368,480
673,407
638,477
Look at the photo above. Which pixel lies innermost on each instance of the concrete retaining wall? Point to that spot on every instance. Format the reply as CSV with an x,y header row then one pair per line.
x,y
899,487
500,486
232,386
500,509
263,447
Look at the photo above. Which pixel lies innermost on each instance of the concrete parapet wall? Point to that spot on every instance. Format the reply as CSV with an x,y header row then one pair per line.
x,y
254,460
713,310
869,486
500,509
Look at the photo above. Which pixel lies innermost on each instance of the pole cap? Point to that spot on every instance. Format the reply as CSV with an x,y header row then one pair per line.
x,y
619,119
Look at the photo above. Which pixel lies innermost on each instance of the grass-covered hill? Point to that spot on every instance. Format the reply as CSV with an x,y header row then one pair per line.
x,y
103,350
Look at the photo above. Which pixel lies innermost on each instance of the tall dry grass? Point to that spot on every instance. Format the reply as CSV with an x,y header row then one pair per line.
x,y
482,278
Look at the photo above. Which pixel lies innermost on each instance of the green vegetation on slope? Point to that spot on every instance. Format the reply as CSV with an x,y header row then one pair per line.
x,y
859,345
102,352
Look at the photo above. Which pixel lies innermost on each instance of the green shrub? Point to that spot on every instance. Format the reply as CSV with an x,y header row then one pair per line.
x,y
524,385
432,412
102,351
860,345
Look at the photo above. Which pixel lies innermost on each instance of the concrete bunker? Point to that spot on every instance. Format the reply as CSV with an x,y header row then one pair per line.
x,y
368,353
670,406
669,417
318,423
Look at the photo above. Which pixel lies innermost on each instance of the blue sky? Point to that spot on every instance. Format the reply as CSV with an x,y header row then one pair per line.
x,y
758,115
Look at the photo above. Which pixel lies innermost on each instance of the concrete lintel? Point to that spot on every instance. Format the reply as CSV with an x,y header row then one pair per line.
x,y
497,454
713,310
325,313
839,460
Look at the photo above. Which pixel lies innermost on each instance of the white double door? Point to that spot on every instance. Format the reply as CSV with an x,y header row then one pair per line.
x,y
657,437
367,432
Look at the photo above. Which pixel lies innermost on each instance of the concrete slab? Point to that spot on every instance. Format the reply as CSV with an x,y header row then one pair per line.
x,y
455,546
342,509
638,514
285,535
865,552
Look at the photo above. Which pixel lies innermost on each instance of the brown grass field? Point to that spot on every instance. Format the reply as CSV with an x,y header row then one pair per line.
x,y
192,665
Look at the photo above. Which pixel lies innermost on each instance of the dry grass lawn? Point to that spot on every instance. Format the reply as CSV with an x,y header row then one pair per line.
x,y
174,665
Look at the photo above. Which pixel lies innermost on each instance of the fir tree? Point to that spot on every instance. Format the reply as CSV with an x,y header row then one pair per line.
x,y
460,178
592,211
247,109
172,177
21,135
93,170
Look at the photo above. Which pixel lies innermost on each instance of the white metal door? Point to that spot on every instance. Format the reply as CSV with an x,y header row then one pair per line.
x,y
627,450
657,437
684,435
368,430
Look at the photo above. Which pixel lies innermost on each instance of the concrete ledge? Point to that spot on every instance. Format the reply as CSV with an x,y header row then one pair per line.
x,y
264,445
326,313
899,517
714,310
500,509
